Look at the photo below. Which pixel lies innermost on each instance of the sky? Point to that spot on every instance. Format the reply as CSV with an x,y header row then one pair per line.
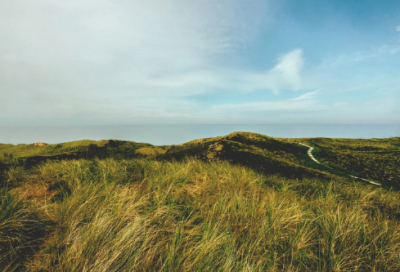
x,y
108,62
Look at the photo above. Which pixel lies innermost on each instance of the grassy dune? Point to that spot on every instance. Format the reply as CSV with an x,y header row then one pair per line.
x,y
377,159
155,209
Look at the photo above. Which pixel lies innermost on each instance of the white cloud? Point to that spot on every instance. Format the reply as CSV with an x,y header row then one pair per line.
x,y
289,67
75,53
285,75
398,28
307,96
282,105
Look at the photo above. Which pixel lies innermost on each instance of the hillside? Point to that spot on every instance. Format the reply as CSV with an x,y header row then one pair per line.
x,y
375,159
241,202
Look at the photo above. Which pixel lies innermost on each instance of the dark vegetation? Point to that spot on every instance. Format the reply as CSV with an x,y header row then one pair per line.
x,y
242,202
375,159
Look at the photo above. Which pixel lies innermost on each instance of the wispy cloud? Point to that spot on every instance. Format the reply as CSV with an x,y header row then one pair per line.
x,y
287,105
303,102
74,53
151,58
285,75
289,67
307,96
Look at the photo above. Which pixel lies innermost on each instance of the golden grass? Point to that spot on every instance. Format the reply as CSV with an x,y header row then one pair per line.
x,y
142,215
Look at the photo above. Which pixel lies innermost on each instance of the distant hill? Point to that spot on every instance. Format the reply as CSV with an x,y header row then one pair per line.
x,y
375,159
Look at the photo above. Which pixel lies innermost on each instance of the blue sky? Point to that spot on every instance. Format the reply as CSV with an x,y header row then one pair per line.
x,y
199,62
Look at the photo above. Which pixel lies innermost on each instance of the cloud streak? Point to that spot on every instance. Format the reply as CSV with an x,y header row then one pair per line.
x,y
142,60
80,51
285,75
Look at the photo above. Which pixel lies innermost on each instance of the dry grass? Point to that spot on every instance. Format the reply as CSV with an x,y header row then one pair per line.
x,y
142,215
21,228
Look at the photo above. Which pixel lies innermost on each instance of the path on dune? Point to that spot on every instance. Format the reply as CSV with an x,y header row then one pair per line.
x,y
309,153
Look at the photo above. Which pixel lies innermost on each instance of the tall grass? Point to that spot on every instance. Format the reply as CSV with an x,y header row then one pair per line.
x,y
142,215
21,227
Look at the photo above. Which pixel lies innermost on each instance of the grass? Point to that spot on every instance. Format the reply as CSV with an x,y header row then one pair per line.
x,y
146,215
30,154
375,159
21,228
242,202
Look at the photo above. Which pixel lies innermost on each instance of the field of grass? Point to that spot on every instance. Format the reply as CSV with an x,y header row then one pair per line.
x,y
376,159
242,202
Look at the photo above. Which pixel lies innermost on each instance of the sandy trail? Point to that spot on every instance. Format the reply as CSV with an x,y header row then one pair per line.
x,y
309,152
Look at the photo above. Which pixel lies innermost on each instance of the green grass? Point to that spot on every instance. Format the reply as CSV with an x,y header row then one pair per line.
x,y
76,149
375,159
21,227
242,202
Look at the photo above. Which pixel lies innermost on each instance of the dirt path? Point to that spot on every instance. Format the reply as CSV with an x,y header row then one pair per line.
x,y
309,152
